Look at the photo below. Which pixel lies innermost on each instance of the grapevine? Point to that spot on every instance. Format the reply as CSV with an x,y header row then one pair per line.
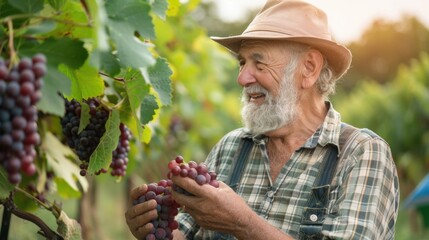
x,y
20,91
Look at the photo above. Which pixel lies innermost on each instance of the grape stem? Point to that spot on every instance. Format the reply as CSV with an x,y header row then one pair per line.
x,y
114,78
46,231
13,56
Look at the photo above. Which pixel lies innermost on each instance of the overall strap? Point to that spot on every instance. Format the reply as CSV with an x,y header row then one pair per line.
x,y
316,209
235,174
240,163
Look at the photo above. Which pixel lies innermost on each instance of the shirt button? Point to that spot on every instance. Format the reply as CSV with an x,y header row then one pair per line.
x,y
313,217
270,194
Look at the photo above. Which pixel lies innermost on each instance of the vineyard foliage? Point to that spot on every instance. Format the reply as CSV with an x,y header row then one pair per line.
x,y
134,56
95,49
399,112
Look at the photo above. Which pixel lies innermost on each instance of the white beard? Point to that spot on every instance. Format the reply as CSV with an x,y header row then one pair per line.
x,y
274,112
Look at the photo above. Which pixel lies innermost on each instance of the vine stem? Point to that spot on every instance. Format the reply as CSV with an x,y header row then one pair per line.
x,y
5,223
114,78
12,52
10,207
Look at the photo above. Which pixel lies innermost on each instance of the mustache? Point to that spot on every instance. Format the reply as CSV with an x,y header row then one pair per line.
x,y
255,88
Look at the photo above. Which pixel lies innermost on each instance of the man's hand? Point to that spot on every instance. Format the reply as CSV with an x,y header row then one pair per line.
x,y
139,216
218,209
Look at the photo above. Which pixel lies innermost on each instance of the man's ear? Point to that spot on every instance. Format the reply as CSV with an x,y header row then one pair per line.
x,y
312,63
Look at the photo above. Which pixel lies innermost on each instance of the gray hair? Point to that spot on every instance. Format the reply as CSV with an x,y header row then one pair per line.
x,y
326,81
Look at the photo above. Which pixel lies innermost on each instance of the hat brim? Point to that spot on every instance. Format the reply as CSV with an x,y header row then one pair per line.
x,y
338,56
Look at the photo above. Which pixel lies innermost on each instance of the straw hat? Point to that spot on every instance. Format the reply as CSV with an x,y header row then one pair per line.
x,y
295,21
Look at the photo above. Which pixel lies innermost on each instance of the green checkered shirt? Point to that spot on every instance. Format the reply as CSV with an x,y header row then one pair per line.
x,y
363,201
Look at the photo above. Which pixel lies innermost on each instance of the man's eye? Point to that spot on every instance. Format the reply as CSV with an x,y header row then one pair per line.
x,y
260,66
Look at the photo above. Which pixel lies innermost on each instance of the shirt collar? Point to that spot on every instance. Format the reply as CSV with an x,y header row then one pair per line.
x,y
329,131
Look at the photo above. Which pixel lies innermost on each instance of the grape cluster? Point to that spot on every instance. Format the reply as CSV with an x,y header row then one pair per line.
x,y
85,142
167,207
120,154
20,90
197,171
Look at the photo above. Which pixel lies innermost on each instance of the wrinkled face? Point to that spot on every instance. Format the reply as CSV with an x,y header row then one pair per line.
x,y
269,91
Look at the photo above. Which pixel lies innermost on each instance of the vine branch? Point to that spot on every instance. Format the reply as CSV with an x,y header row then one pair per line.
x,y
46,231
114,78
13,56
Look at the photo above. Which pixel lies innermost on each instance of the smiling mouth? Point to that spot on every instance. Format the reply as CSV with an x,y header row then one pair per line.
x,y
255,96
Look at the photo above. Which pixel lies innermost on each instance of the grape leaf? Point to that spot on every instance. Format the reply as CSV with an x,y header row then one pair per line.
x,y
68,228
159,7
43,27
136,90
86,83
102,156
5,186
58,51
147,110
27,6
159,77
54,82
131,51
135,14
84,117
108,63
173,7
57,156
57,4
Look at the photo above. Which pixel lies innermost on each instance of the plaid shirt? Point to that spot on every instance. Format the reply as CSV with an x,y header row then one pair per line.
x,y
363,201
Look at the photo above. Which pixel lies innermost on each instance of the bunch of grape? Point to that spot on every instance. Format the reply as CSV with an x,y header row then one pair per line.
x,y
120,154
168,208
20,90
85,142
197,171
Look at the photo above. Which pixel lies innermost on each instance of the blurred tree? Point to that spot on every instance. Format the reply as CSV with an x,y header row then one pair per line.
x,y
383,47
399,112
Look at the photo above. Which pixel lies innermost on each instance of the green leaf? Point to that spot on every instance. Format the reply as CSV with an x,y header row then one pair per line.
x,y
159,7
27,6
102,156
136,90
58,51
57,156
86,83
54,82
43,27
109,64
7,10
85,117
5,186
147,110
159,77
57,4
131,51
135,14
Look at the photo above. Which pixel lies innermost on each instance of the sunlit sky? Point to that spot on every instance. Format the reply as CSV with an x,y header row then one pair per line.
x,y
347,18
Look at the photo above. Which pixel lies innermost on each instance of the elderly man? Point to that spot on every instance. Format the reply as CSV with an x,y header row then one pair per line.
x,y
294,171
